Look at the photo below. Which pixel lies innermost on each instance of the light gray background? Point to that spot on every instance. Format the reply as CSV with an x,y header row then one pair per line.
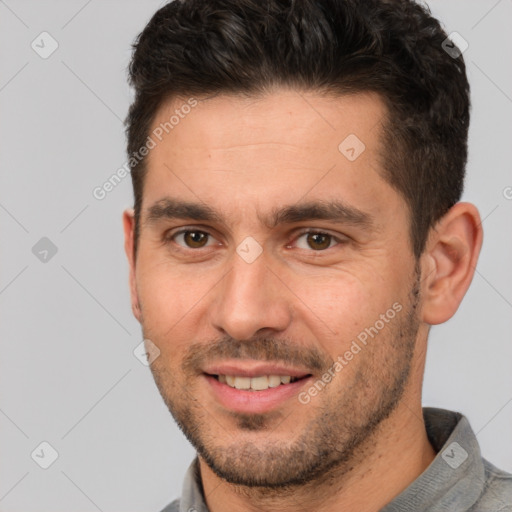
x,y
68,375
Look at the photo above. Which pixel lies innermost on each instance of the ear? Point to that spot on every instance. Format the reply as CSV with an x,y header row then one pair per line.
x,y
129,225
449,262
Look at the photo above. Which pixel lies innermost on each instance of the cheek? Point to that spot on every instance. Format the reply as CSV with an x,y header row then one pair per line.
x,y
342,305
166,296
339,302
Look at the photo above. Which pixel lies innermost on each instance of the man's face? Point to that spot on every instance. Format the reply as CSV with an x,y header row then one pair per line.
x,y
248,294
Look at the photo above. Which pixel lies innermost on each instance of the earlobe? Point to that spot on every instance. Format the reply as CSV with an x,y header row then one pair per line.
x,y
128,226
449,262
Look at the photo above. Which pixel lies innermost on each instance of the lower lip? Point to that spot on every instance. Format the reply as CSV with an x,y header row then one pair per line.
x,y
243,401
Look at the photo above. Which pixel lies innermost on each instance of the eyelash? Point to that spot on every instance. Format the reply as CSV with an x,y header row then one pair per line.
x,y
168,238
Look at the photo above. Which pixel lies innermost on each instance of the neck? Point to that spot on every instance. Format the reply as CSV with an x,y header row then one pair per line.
x,y
380,470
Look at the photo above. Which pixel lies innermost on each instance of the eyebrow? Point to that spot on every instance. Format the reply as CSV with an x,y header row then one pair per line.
x,y
331,210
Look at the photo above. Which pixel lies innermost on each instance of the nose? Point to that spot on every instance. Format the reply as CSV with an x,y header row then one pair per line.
x,y
251,298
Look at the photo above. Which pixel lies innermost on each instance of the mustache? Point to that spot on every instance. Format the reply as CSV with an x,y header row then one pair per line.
x,y
266,349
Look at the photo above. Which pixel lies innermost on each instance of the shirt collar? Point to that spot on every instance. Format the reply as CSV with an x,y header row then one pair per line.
x,y
192,494
455,479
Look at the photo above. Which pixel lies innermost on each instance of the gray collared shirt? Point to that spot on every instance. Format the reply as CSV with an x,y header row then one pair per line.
x,y
459,479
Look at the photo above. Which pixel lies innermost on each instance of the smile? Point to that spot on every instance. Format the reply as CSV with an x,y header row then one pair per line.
x,y
258,383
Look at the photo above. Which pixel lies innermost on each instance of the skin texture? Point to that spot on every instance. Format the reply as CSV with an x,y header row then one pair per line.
x,y
361,440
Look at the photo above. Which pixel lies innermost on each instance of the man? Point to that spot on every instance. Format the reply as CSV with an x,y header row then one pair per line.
x,y
297,168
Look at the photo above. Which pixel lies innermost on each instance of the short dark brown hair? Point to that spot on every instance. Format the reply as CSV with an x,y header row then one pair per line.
x,y
248,47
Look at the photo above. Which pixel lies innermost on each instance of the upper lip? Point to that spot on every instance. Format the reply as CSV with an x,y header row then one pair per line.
x,y
254,369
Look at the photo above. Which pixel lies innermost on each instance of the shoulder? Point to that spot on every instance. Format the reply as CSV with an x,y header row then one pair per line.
x,y
172,507
497,492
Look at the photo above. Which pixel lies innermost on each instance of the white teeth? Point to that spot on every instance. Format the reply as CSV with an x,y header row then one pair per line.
x,y
243,382
274,381
255,383
259,383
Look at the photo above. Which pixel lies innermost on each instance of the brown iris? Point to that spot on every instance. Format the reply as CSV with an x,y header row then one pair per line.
x,y
321,240
195,239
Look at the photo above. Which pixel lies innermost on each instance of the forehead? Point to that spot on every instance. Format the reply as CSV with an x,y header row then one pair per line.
x,y
281,147
290,119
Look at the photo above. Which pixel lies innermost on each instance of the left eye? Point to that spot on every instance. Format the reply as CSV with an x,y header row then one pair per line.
x,y
317,240
192,239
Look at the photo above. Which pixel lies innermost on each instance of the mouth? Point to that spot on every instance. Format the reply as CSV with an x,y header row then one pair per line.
x,y
257,383
254,386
